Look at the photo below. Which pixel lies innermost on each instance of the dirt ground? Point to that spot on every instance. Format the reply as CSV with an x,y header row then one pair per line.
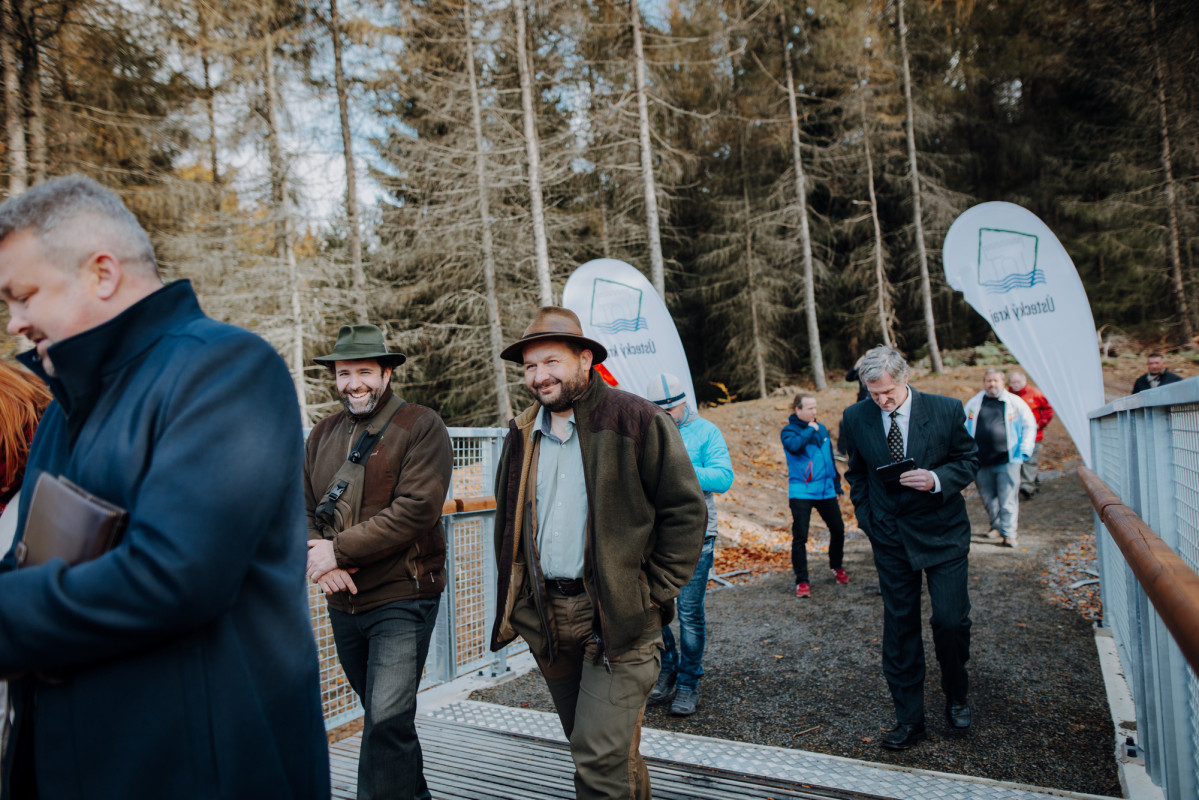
x,y
807,674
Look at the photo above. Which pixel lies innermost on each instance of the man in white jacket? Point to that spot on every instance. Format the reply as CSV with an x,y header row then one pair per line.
x,y
1005,430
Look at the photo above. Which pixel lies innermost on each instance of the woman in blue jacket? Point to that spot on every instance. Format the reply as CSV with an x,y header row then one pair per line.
x,y
812,482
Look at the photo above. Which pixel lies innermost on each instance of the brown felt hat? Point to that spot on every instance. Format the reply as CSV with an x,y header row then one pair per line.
x,y
361,343
554,322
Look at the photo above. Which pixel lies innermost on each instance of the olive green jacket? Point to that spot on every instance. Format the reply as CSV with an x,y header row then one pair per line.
x,y
645,522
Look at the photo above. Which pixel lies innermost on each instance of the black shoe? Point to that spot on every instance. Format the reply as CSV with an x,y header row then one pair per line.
x,y
903,737
664,690
958,715
1026,495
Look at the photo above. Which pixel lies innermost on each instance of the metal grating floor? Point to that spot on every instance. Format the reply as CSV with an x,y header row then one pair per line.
x,y
480,750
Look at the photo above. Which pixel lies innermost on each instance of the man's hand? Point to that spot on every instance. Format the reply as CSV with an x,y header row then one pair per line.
x,y
337,580
320,558
814,425
919,479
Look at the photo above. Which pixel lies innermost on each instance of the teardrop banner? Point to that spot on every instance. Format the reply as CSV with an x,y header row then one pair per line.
x,y
1013,270
620,309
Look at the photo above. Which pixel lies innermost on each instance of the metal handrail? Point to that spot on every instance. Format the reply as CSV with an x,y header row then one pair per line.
x,y
1171,585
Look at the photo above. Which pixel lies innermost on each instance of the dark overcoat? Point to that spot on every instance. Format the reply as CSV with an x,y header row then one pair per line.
x,y
180,664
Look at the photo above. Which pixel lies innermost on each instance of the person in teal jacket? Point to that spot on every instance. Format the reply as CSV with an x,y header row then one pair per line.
x,y
812,483
682,666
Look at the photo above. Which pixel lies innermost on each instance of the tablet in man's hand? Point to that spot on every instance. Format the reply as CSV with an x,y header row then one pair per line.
x,y
889,473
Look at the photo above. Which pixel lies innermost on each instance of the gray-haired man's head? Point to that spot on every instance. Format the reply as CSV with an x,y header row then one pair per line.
x,y
885,373
72,257
73,216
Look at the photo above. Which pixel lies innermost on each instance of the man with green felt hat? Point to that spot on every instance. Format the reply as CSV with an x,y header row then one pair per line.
x,y
376,475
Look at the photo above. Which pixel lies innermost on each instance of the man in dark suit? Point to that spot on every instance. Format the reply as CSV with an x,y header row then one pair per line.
x,y
917,524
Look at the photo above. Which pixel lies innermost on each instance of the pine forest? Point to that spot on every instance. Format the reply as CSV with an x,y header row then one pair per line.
x,y
782,172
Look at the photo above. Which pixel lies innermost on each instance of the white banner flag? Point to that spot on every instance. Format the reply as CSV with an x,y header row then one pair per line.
x,y
620,309
1013,270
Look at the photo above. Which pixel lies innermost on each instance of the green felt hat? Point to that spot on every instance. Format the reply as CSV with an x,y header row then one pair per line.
x,y
360,343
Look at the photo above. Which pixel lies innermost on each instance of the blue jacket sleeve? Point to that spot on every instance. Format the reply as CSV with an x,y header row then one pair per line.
x,y
795,438
716,472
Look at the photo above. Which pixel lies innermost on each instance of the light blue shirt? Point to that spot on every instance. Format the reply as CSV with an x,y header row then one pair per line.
x,y
561,500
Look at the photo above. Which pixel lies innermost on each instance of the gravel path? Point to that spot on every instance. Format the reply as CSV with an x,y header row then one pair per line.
x,y
807,674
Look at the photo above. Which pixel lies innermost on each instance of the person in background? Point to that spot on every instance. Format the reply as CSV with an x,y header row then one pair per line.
x,y
1006,431
1018,385
1156,374
23,398
852,376
678,682
812,483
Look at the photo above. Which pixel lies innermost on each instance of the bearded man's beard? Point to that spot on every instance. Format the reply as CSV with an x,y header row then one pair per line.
x,y
569,390
366,405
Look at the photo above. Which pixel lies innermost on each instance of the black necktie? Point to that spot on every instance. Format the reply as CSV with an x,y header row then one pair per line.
x,y
895,438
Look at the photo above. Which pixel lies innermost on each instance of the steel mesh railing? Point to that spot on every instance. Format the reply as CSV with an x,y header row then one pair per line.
x,y
460,640
1146,449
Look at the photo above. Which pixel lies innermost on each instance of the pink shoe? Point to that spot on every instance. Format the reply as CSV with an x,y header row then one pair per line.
x,y
841,576
803,590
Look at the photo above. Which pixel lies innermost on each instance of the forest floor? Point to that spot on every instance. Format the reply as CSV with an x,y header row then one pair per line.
x,y
806,674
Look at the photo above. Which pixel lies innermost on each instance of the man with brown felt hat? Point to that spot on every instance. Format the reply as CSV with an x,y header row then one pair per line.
x,y
599,523
377,548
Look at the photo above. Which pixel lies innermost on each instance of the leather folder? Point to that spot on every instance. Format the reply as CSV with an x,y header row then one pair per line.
x,y
66,522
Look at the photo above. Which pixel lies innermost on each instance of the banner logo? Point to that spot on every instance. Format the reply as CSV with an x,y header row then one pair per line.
x,y
619,310
1007,260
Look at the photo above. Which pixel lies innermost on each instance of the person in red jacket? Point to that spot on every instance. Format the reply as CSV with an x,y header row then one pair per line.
x,y
1019,386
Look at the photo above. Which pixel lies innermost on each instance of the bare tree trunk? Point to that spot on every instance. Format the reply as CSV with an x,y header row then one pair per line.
x,y
282,214
934,352
604,243
357,275
503,402
805,235
210,111
1180,297
15,156
880,275
755,327
35,113
540,246
657,266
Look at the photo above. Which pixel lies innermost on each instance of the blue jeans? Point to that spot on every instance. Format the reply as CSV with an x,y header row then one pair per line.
x,y
692,627
999,488
383,654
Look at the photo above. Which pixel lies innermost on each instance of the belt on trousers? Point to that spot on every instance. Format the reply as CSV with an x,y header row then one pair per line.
x,y
569,587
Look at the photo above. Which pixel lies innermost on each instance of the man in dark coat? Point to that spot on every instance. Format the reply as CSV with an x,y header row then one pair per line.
x,y
180,663
917,526
1156,374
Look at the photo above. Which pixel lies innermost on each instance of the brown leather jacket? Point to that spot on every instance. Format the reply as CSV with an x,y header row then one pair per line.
x,y
398,546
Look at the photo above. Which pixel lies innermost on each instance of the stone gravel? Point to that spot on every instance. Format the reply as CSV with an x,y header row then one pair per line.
x,y
806,674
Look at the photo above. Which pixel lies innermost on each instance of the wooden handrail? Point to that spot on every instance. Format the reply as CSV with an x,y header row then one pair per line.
x,y
475,503
1169,583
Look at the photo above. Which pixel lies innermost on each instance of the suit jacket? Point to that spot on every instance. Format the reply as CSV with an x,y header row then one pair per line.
x,y
930,527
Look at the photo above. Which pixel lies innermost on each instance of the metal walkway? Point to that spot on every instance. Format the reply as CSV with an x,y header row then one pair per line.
x,y
480,751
